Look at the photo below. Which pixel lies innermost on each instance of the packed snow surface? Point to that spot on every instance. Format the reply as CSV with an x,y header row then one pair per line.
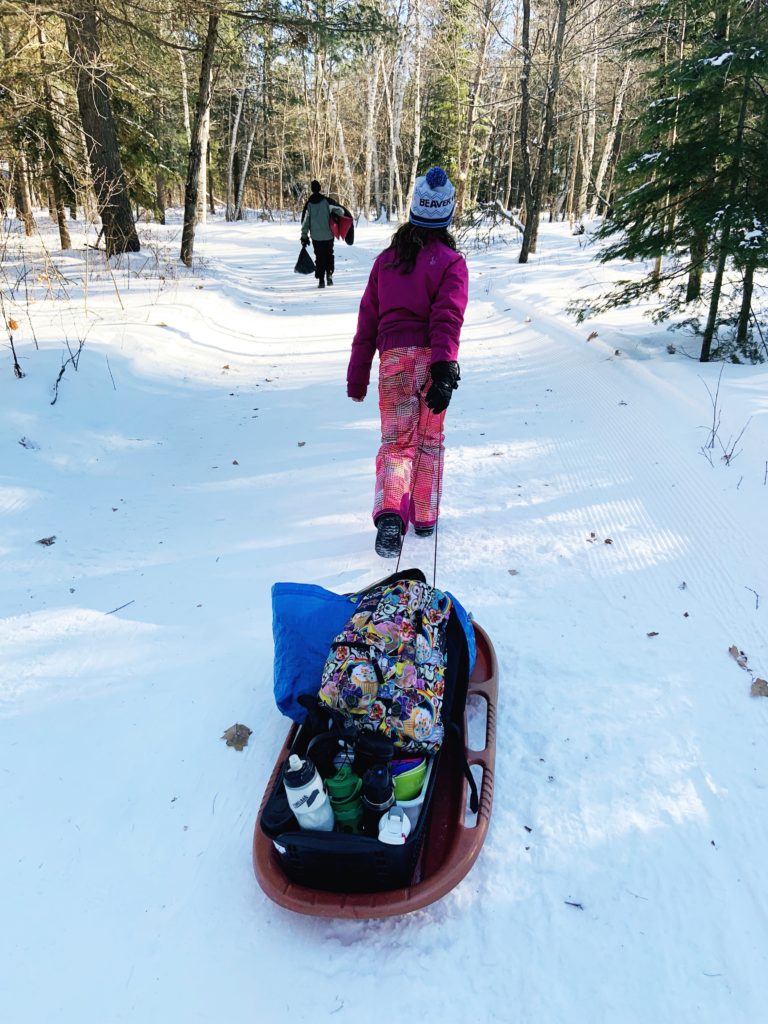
x,y
202,449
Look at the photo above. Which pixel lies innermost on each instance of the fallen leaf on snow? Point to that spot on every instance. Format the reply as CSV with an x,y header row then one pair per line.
x,y
225,366
759,688
591,335
652,633
607,541
513,572
47,541
738,656
235,462
237,736
301,444
13,325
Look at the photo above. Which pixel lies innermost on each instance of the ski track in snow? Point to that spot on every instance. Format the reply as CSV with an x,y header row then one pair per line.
x,y
622,881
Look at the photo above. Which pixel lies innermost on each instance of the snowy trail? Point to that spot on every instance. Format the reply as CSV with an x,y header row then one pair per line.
x,y
622,880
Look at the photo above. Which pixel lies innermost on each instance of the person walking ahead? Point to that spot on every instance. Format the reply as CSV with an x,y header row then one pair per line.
x,y
316,223
412,311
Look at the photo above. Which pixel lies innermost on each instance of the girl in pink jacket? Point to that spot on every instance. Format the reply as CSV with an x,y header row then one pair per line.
x,y
412,311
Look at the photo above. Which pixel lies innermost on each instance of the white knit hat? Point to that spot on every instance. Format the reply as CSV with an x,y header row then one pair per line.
x,y
434,199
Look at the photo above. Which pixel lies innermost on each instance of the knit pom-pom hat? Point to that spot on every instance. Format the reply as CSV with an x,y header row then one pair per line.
x,y
434,199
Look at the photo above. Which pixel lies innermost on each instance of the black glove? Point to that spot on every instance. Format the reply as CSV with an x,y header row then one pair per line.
x,y
445,379
304,241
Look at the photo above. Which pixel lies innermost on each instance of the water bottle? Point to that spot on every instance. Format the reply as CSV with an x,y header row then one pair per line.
x,y
378,795
306,796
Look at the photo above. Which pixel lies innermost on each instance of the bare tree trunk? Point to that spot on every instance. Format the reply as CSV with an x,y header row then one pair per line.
x,y
54,143
696,271
525,113
468,137
376,179
197,150
416,151
349,181
370,142
725,234
244,171
209,174
610,139
23,195
185,96
99,127
230,211
590,130
482,155
202,185
742,330
160,195
510,160
395,188
535,190
398,101
568,212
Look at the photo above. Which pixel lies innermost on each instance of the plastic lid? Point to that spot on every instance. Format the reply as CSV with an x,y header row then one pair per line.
x,y
394,827
298,772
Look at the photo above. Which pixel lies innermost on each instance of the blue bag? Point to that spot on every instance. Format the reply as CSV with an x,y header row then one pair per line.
x,y
305,620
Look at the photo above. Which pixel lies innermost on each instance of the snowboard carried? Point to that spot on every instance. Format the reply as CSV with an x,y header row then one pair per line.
x,y
338,874
343,227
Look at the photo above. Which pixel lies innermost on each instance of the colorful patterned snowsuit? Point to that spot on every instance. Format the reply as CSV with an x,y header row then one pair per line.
x,y
413,320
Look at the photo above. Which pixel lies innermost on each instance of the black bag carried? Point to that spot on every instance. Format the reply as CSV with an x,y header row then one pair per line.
x,y
304,264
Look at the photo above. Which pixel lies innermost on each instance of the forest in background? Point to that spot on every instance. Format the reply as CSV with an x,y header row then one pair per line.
x,y
651,115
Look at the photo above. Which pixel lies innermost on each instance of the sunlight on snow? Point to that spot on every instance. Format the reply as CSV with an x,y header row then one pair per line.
x,y
60,654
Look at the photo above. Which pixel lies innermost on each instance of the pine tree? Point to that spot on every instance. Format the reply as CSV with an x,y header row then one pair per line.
x,y
694,191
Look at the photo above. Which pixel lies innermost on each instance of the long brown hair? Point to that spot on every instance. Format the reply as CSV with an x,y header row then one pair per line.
x,y
408,241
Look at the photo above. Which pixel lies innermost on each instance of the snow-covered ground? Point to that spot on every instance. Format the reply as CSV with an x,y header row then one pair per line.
x,y
204,449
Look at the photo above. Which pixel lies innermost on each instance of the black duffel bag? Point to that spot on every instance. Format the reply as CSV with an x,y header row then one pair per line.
x,y
304,264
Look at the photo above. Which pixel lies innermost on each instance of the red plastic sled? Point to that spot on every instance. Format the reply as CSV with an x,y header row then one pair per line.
x,y
451,846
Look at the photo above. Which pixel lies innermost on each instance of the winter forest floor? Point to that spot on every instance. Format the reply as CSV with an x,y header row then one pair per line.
x,y
202,449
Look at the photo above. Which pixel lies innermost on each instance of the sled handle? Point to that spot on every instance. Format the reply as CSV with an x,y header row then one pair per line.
x,y
484,683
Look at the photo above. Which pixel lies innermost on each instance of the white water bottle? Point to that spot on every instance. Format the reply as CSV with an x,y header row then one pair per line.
x,y
306,796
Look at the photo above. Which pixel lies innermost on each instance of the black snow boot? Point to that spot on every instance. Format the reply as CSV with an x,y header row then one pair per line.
x,y
321,282
330,278
423,531
389,535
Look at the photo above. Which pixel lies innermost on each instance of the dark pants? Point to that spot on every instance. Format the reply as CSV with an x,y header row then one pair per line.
x,y
323,258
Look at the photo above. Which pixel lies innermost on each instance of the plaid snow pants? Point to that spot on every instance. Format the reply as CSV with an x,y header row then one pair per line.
x,y
409,465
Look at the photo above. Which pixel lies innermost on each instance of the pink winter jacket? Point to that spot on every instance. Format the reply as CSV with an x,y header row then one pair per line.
x,y
425,307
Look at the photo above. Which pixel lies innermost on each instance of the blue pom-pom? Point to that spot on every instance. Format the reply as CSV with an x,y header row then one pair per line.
x,y
436,177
